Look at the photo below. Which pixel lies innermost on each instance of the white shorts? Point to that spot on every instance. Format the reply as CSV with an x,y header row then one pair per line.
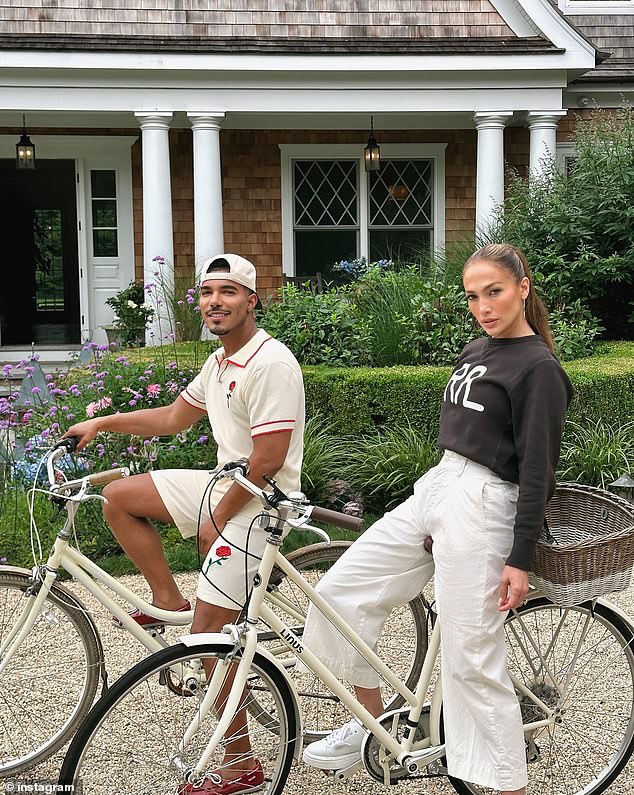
x,y
469,511
227,572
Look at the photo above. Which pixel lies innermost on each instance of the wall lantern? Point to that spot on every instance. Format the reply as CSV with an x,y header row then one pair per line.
x,y
372,152
624,487
24,150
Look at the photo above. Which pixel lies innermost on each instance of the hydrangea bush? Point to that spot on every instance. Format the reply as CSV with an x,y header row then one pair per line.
x,y
359,267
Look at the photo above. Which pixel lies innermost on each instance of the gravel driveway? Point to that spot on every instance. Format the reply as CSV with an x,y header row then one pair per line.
x,y
121,653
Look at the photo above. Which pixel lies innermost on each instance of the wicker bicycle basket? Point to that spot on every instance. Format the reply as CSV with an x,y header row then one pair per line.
x,y
588,548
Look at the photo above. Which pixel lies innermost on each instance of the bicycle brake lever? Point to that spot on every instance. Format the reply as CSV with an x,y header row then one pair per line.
x,y
299,525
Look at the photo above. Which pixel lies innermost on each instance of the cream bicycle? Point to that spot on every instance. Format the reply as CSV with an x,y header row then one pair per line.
x,y
44,695
573,670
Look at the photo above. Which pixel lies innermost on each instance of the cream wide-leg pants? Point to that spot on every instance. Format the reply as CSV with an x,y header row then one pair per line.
x,y
469,511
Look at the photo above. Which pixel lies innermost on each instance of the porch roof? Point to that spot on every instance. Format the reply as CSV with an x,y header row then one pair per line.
x,y
350,46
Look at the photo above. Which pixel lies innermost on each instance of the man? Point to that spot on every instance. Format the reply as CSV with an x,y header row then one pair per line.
x,y
252,391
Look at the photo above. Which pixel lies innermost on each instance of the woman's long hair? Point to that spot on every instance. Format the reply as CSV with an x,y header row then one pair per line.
x,y
514,261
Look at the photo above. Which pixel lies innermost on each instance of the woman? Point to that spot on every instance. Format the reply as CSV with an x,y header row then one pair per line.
x,y
500,429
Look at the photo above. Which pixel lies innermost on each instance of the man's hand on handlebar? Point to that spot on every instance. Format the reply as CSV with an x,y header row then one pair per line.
x,y
84,431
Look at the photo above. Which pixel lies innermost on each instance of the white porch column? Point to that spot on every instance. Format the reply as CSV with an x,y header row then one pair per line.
x,y
490,164
208,218
158,237
542,125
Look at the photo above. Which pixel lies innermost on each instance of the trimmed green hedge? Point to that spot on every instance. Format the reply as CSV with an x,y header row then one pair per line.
x,y
358,400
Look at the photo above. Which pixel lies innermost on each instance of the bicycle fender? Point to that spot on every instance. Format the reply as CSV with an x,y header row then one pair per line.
x,y
221,638
627,619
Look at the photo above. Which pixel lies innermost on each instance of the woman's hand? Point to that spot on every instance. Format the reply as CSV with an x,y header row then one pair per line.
x,y
513,588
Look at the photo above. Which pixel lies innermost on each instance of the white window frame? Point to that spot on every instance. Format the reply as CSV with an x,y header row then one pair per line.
x,y
291,152
572,7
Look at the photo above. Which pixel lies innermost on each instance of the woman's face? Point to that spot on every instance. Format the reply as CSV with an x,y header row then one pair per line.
x,y
496,300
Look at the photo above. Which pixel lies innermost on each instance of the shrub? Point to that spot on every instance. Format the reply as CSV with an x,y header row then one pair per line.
x,y
384,298
575,330
596,453
324,456
439,325
131,314
577,228
360,400
384,466
320,328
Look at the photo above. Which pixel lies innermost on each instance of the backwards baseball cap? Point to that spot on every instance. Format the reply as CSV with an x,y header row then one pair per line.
x,y
231,268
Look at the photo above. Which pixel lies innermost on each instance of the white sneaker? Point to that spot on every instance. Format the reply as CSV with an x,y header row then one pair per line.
x,y
340,749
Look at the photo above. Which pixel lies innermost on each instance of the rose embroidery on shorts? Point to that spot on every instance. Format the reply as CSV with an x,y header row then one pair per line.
x,y
232,386
221,554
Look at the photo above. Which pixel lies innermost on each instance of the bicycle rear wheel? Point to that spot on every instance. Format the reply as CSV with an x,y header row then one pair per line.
x,y
130,739
50,681
581,661
321,710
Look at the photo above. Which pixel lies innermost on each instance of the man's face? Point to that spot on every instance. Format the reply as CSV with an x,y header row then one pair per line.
x,y
226,306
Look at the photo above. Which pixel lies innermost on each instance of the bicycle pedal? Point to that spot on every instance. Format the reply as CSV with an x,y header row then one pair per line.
x,y
345,772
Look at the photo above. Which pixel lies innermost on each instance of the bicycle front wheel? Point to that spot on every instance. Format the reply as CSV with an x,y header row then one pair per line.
x,y
322,711
50,680
132,739
580,662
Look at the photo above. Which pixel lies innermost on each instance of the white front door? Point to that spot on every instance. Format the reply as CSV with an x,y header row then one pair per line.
x,y
106,189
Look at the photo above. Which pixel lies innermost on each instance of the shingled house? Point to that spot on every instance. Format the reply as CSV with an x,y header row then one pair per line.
x,y
182,128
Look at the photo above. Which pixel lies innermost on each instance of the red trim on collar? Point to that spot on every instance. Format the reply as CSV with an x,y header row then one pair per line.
x,y
237,364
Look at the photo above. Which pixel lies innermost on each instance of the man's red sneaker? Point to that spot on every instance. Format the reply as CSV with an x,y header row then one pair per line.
x,y
143,620
249,781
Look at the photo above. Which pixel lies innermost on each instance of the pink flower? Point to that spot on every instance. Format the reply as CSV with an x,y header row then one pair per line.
x,y
154,390
98,405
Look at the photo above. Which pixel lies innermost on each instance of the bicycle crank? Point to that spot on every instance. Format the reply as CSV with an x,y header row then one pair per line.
x,y
378,760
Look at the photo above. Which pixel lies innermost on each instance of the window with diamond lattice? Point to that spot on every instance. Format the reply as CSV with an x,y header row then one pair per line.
x,y
325,213
326,193
401,209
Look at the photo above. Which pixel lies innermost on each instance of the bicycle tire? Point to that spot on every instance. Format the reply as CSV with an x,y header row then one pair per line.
x,y
31,685
591,647
321,710
141,719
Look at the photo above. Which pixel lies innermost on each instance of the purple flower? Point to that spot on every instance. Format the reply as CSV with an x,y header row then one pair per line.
x,y
202,439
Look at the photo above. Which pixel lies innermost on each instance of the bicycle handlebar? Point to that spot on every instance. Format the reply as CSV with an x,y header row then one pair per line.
x,y
69,444
236,472
344,520
108,475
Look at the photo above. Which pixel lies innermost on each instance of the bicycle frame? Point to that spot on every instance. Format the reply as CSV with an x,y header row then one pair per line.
x,y
89,574
409,754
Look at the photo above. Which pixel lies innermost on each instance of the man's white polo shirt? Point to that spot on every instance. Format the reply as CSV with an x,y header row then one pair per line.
x,y
258,390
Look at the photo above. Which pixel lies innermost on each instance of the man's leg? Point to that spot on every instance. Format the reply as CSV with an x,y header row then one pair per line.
x,y
132,503
239,757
